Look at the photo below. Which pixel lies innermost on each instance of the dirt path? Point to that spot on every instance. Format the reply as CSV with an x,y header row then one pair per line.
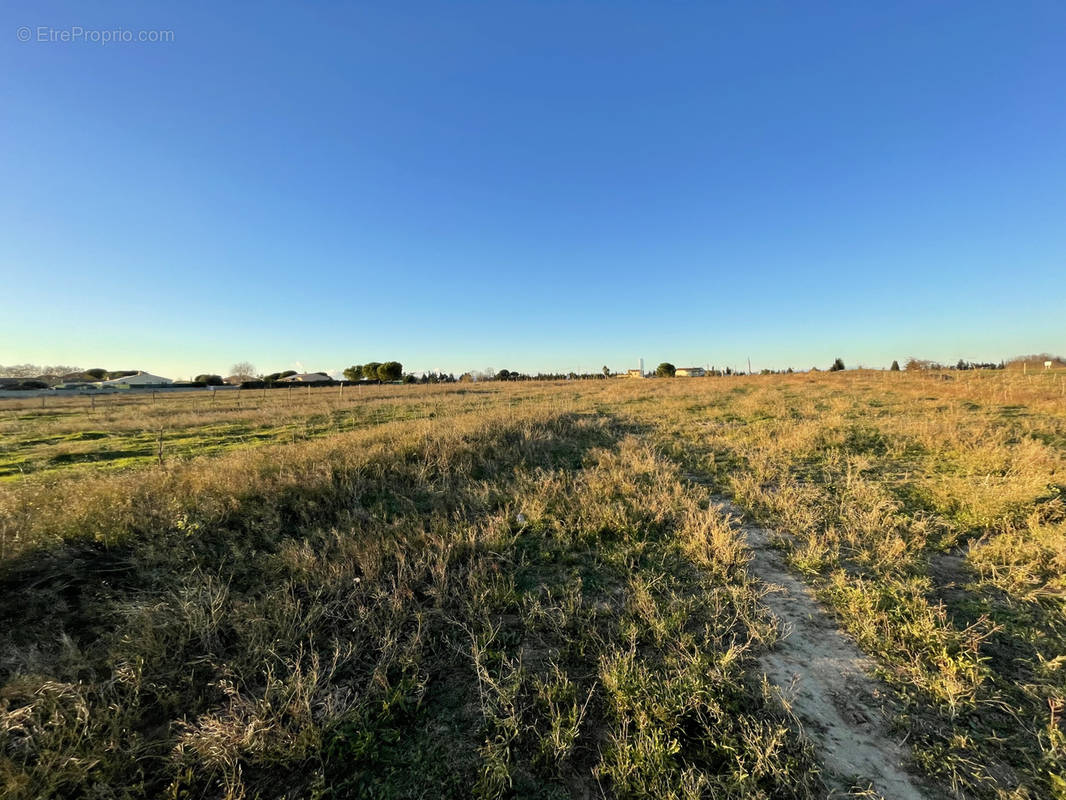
x,y
823,677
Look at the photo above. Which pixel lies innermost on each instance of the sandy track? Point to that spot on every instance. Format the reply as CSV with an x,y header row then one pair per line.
x,y
822,676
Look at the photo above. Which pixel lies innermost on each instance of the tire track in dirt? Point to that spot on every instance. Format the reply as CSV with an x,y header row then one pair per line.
x,y
823,678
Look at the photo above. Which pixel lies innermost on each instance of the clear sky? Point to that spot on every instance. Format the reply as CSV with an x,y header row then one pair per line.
x,y
531,186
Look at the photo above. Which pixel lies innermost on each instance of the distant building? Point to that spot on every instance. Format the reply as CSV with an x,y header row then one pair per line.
x,y
633,373
307,377
690,372
139,378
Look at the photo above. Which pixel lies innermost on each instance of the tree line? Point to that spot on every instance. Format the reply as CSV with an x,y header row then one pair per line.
x,y
375,371
62,371
33,376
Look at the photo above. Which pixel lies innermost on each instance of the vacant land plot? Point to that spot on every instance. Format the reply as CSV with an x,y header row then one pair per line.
x,y
534,590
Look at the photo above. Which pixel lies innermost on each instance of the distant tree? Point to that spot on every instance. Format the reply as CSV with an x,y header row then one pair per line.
x,y
961,365
606,371
242,370
410,378
503,375
789,370
914,364
354,372
894,367
210,380
370,370
97,373
31,370
24,371
665,370
838,365
390,371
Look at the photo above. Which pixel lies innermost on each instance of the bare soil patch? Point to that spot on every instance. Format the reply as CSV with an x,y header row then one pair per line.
x,y
824,679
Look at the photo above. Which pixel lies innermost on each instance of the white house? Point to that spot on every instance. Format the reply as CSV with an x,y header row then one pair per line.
x,y
307,377
690,372
140,378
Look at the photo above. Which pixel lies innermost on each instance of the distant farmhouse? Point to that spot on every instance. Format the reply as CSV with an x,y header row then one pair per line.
x,y
307,377
139,378
690,372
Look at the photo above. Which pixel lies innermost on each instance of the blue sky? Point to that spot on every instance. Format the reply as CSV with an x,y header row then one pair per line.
x,y
532,186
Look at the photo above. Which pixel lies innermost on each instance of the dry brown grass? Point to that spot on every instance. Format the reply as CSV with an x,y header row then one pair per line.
x,y
351,605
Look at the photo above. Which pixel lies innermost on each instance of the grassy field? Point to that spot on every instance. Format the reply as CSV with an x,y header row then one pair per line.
x,y
525,590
